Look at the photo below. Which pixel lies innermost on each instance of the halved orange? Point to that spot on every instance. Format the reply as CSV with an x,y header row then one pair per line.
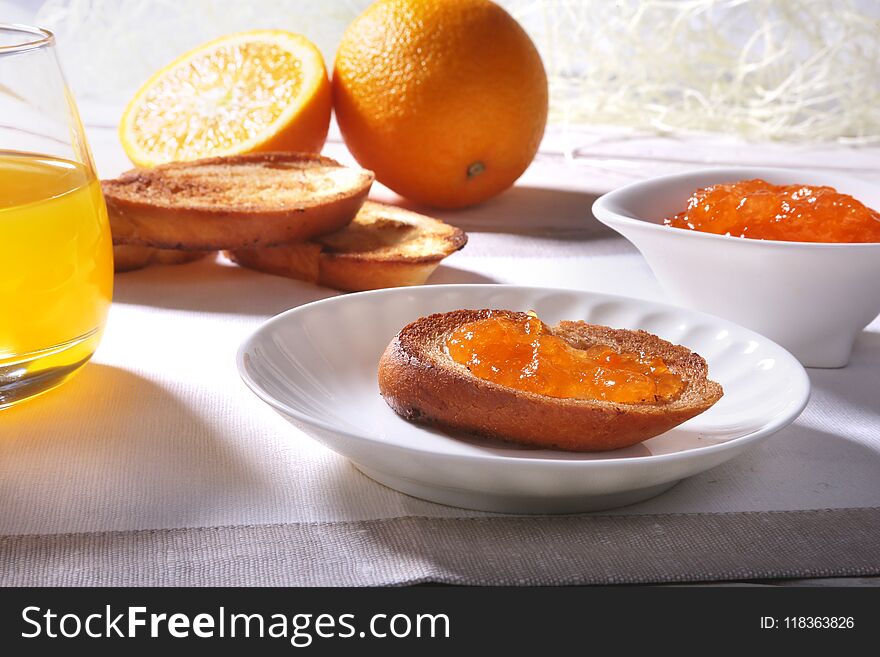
x,y
263,90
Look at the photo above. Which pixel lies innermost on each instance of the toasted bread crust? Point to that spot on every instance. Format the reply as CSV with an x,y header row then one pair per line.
x,y
422,383
384,246
128,257
254,200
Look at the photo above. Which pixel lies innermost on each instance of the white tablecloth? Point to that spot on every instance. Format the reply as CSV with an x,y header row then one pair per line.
x,y
155,465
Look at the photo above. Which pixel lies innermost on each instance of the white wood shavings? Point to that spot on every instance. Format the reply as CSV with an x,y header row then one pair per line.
x,y
799,70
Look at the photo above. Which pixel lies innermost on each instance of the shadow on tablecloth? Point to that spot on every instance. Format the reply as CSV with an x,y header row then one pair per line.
x,y
115,445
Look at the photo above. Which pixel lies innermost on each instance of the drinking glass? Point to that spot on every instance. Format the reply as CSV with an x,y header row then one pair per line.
x,y
56,256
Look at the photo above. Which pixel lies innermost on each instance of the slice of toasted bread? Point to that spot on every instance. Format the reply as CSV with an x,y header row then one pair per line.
x,y
242,201
385,246
421,382
128,257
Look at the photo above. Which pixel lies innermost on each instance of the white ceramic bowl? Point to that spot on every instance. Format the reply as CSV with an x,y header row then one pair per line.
x,y
316,365
812,298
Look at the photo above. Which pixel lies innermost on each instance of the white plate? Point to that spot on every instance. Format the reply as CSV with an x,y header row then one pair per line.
x,y
316,365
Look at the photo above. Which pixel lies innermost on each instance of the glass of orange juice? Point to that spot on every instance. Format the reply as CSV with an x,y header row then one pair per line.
x,y
56,255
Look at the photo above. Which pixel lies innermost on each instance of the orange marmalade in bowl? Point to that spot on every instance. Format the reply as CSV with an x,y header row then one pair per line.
x,y
522,354
789,213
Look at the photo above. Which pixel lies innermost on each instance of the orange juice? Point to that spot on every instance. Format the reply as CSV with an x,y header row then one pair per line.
x,y
56,270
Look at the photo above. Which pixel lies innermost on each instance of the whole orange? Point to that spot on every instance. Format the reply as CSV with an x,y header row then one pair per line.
x,y
445,100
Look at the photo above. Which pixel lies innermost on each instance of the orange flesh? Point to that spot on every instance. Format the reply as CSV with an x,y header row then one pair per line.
x,y
791,213
521,354
234,93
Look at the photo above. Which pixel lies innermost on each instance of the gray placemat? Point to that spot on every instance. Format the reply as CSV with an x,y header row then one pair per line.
x,y
585,549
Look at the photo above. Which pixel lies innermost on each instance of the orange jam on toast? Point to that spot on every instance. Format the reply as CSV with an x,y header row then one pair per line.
x,y
522,354
791,213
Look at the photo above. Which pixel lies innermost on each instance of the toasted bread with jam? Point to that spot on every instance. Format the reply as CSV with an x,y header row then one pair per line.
x,y
422,383
385,246
243,201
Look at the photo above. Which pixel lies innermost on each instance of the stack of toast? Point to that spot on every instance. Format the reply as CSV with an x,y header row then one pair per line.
x,y
291,214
